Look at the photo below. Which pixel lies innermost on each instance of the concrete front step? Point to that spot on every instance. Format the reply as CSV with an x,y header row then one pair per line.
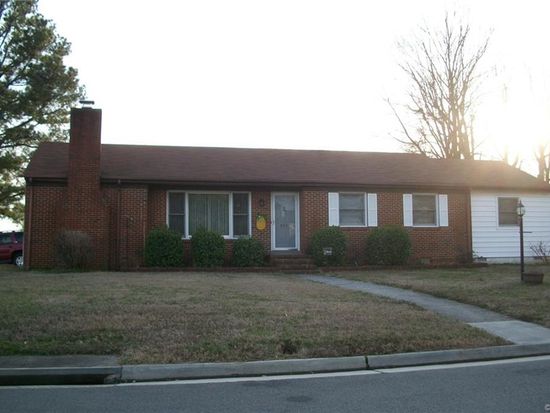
x,y
297,267
293,262
297,261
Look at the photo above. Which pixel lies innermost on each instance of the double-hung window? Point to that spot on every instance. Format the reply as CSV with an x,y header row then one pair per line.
x,y
176,212
507,211
352,209
425,210
241,214
227,213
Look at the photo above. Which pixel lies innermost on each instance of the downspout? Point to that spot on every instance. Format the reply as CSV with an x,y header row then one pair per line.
x,y
118,260
28,229
469,226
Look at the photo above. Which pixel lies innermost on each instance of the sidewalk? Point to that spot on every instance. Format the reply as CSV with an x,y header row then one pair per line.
x,y
514,331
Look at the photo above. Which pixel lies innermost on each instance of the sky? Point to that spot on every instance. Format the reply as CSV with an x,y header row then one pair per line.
x,y
289,74
294,74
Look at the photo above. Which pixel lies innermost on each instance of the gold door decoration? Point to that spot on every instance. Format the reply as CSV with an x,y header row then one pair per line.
x,y
261,222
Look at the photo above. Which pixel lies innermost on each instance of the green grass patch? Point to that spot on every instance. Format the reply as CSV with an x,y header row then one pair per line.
x,y
495,287
202,317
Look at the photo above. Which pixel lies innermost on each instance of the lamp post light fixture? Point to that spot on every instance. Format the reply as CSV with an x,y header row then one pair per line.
x,y
521,212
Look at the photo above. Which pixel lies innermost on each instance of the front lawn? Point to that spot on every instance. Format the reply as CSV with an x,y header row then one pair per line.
x,y
179,317
496,287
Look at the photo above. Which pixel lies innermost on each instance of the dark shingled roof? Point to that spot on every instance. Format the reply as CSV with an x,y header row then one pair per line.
x,y
282,166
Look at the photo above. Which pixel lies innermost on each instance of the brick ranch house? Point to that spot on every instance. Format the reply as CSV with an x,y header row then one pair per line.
x,y
118,193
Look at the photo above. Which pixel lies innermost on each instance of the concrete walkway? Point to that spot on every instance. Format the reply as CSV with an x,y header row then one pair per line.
x,y
514,331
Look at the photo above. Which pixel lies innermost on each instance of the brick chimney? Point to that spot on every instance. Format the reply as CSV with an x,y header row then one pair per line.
x,y
84,208
84,156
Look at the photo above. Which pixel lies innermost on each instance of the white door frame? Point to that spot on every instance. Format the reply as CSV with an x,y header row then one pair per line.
x,y
297,220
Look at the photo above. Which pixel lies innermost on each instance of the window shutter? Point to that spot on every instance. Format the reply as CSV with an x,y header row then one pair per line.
x,y
407,210
443,211
333,209
372,202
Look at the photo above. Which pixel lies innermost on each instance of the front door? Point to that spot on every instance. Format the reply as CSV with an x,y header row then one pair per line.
x,y
285,221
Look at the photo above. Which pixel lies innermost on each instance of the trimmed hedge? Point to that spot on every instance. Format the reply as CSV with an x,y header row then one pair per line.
x,y
388,245
248,252
73,250
207,248
330,237
163,248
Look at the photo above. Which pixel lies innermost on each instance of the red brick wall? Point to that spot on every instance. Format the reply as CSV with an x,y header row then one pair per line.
x,y
156,208
41,224
133,225
49,210
313,215
261,205
119,237
436,245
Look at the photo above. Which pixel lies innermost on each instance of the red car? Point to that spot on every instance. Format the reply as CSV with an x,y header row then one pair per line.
x,y
11,247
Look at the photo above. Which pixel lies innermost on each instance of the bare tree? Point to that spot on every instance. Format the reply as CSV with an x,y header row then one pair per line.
x,y
542,155
443,71
514,161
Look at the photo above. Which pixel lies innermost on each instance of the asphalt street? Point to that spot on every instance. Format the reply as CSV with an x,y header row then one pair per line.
x,y
503,386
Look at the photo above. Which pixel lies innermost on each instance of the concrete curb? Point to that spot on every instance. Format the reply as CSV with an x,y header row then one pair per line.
x,y
187,371
59,375
456,356
151,372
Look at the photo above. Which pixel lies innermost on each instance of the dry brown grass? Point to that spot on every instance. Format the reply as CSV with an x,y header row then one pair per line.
x,y
496,287
177,317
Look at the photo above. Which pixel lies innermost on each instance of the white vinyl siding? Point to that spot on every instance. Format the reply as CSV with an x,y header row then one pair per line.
x,y
501,243
352,209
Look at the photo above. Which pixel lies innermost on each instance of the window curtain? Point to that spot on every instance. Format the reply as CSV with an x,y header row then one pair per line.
x,y
424,210
209,211
240,215
176,216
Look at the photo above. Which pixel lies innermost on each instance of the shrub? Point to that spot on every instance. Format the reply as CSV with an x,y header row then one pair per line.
x,y
248,252
163,248
388,245
207,248
73,250
330,237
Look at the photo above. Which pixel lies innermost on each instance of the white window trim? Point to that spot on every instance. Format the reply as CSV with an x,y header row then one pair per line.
x,y
436,198
365,210
230,210
505,227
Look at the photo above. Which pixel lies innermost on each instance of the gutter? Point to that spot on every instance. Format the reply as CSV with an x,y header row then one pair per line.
x,y
300,184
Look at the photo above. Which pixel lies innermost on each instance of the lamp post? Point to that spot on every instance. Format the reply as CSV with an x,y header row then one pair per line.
x,y
521,212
